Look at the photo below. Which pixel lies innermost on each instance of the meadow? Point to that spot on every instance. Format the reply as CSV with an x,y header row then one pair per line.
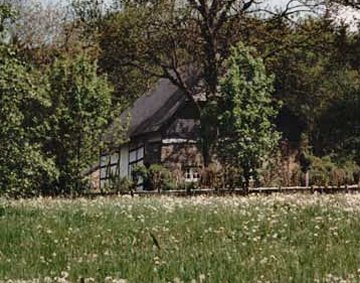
x,y
277,238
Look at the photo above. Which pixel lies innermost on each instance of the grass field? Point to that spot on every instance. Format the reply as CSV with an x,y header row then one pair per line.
x,y
279,238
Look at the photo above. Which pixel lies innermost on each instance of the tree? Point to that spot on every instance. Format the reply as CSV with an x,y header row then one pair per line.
x,y
24,169
318,82
79,112
305,74
338,129
247,134
185,42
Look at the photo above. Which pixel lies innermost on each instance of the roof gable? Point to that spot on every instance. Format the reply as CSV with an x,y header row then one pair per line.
x,y
151,111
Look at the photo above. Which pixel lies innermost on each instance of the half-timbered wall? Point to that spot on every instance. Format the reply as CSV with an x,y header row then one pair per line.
x,y
109,168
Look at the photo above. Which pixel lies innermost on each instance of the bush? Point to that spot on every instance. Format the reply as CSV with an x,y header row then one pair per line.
x,y
320,170
324,172
80,104
212,177
27,174
123,185
233,177
156,177
352,172
159,177
25,169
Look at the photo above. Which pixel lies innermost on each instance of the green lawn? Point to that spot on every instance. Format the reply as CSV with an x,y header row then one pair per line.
x,y
279,238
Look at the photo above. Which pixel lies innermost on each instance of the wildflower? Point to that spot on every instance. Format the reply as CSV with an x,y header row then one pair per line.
x,y
64,274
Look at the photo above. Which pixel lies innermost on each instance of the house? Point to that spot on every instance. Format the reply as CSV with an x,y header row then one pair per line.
x,y
163,128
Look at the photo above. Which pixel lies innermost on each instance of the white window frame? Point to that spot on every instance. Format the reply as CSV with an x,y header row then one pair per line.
x,y
109,167
192,174
139,154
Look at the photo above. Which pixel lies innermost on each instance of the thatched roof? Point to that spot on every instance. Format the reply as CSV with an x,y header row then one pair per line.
x,y
151,111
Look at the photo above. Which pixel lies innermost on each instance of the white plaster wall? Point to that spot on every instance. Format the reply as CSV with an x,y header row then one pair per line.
x,y
124,161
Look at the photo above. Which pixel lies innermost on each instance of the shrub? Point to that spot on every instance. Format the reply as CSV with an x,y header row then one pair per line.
x,y
232,177
211,176
352,172
156,177
325,172
320,170
25,169
124,185
159,177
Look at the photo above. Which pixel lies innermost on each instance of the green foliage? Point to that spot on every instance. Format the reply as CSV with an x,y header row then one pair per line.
x,y
56,125
326,171
211,177
79,112
123,45
352,172
233,177
160,177
156,177
247,135
305,73
318,82
144,40
186,42
120,185
321,169
24,168
272,172
139,172
338,129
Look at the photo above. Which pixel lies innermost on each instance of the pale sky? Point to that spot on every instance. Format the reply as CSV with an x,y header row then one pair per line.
x,y
276,2
344,14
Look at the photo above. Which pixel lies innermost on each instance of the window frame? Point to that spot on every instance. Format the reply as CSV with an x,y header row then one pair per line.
x,y
109,166
194,175
137,161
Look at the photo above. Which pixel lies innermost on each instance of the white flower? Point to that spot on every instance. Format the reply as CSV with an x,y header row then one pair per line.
x,y
202,278
64,274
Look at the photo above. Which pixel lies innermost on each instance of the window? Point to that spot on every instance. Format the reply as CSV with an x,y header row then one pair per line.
x,y
136,157
192,174
109,168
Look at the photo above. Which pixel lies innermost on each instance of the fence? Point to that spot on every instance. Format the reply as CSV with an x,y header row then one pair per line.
x,y
259,190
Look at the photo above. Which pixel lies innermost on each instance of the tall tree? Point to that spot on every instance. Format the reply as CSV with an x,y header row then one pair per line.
x,y
24,169
79,112
314,76
247,132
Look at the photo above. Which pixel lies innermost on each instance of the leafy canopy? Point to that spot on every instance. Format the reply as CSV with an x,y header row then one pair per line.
x,y
24,169
79,113
247,134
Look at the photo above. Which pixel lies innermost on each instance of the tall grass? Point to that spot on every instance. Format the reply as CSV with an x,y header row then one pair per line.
x,y
294,238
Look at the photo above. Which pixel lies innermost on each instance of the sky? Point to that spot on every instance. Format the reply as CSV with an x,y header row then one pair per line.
x,y
276,2
344,14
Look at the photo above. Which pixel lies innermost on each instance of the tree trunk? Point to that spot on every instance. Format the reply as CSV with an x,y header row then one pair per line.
x,y
246,183
78,172
208,135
